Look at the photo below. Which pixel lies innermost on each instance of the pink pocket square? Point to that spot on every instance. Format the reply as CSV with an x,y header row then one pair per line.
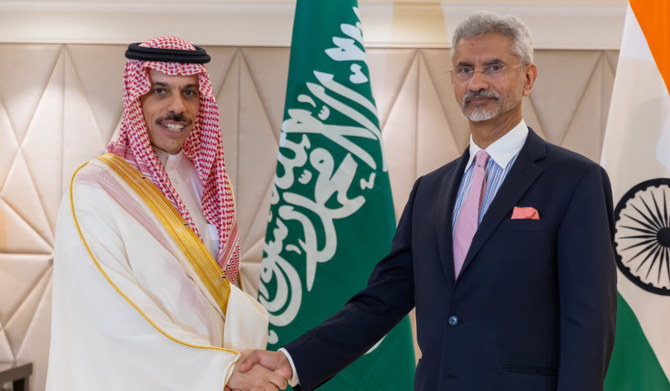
x,y
525,213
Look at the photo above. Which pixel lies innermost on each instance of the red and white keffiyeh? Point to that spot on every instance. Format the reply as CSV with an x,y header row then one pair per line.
x,y
204,147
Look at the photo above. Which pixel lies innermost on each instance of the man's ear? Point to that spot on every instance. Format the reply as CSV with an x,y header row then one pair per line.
x,y
530,74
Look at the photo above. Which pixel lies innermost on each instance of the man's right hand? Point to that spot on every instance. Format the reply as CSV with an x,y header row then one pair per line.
x,y
275,361
249,377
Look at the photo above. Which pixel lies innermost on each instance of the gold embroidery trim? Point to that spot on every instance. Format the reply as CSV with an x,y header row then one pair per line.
x,y
189,243
118,290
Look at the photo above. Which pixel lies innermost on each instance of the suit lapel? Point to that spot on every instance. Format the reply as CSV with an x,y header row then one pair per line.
x,y
522,175
444,216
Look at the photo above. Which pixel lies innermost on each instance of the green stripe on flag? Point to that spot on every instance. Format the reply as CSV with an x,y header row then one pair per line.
x,y
634,366
331,215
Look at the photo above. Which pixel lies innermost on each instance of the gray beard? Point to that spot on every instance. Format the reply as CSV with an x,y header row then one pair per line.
x,y
480,115
476,115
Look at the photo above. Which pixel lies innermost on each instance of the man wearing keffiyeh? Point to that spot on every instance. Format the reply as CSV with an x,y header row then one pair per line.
x,y
146,263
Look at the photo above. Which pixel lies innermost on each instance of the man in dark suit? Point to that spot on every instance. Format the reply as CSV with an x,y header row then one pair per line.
x,y
506,254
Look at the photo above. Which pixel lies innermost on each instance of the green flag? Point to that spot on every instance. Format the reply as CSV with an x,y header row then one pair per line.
x,y
636,154
331,215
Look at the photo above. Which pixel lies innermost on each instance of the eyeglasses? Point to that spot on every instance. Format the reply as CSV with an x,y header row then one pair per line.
x,y
491,71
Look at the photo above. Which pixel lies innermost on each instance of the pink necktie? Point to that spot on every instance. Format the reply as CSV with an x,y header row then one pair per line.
x,y
468,218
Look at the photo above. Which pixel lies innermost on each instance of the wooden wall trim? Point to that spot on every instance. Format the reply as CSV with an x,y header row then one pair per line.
x,y
555,25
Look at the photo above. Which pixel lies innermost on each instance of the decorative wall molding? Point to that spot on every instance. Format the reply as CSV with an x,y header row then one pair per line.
x,y
574,25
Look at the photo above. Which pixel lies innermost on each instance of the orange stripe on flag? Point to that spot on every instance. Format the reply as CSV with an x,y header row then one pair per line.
x,y
654,19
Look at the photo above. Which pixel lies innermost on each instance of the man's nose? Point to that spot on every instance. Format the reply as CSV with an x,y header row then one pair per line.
x,y
176,104
478,82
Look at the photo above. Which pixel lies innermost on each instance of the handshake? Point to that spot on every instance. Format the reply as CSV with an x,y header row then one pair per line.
x,y
260,370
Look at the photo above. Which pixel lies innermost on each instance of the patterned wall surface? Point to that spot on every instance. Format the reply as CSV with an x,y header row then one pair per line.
x,y
61,104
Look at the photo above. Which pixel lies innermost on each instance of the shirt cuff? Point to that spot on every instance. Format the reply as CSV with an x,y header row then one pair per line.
x,y
294,380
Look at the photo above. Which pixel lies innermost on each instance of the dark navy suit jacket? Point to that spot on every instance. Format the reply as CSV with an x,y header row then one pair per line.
x,y
534,307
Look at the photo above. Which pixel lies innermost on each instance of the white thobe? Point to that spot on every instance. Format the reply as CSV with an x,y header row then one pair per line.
x,y
129,312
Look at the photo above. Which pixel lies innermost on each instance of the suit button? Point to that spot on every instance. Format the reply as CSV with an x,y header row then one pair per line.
x,y
453,320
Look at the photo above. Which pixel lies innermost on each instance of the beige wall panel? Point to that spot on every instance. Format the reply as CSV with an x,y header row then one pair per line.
x,y
42,146
229,110
531,118
436,99
84,135
400,135
587,129
612,56
268,68
21,324
390,69
257,156
27,68
28,330
27,229
222,63
61,104
10,145
559,88
5,348
37,336
438,62
19,274
102,84
436,144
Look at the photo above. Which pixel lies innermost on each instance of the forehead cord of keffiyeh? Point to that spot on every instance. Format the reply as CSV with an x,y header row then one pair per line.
x,y
204,145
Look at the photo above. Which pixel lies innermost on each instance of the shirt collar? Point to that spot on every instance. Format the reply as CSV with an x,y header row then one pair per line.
x,y
503,149
164,156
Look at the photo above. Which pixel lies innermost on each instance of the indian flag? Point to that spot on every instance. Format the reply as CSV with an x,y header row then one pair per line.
x,y
636,154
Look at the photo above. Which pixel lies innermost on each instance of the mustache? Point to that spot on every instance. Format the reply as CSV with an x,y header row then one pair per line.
x,y
179,118
480,94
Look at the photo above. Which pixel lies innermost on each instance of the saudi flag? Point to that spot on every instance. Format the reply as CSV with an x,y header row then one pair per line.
x,y
636,154
331,215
